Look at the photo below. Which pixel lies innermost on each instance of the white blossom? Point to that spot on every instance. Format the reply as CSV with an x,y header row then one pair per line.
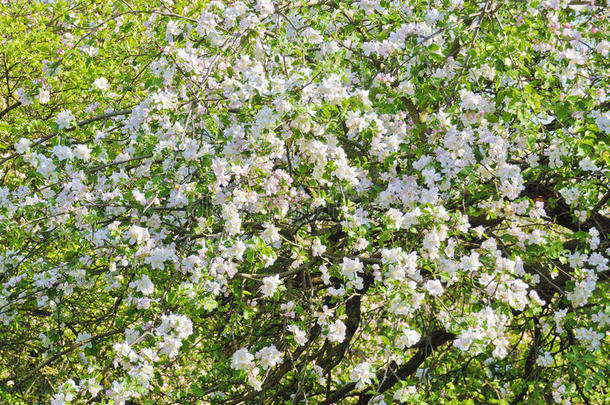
x,y
270,285
65,119
336,331
361,374
242,360
269,357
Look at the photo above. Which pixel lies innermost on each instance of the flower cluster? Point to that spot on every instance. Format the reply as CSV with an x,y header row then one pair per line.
x,y
275,201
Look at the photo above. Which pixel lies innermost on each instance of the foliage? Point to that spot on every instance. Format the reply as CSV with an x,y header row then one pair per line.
x,y
304,201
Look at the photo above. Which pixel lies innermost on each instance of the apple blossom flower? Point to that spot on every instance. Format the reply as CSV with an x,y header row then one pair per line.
x,y
361,374
65,119
270,285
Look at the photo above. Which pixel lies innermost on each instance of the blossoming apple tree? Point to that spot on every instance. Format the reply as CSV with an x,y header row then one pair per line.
x,y
304,201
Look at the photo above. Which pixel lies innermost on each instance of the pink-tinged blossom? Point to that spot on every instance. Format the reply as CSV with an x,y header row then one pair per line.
x,y
464,340
139,197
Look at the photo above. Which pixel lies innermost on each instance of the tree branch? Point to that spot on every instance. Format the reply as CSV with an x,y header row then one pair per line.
x,y
9,108
426,347
78,125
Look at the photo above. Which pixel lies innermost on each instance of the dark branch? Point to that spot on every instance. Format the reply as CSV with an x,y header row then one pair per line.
x,y
9,108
